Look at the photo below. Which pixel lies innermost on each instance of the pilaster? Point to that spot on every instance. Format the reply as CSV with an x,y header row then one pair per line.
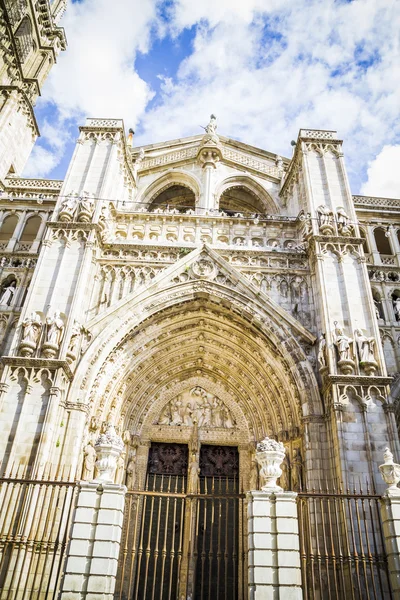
x,y
92,555
274,550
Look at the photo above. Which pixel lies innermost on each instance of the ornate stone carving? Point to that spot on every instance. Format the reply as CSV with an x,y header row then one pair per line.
x,y
270,455
211,131
54,335
343,344
31,327
325,220
108,448
390,472
204,268
196,406
366,347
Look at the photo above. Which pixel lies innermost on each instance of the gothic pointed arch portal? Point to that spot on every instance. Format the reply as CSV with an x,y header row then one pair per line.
x,y
193,376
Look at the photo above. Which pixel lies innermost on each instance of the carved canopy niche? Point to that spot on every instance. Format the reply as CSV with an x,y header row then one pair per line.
x,y
196,405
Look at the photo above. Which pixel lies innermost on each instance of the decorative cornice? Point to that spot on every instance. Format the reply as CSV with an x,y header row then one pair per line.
x,y
372,203
40,363
359,379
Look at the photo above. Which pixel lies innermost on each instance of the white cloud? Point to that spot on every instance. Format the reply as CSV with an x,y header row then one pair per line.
x,y
384,174
265,67
41,162
320,64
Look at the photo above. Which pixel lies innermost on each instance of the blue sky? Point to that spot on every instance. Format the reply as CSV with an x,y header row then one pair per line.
x,y
265,67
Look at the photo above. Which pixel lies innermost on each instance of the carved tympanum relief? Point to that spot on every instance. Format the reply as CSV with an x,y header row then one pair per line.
x,y
197,406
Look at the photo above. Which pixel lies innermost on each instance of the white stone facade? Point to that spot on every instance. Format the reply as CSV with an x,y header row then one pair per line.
x,y
199,284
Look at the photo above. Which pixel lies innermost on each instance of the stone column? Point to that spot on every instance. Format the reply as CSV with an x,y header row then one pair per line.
x,y
390,510
92,558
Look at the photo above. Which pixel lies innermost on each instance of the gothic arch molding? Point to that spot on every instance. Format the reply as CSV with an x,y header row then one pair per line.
x,y
166,181
252,186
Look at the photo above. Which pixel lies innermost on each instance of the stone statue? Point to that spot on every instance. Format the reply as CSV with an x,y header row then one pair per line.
x,y
343,222
86,207
193,478
377,311
325,216
284,480
55,329
253,484
396,306
322,351
74,339
68,206
8,294
131,473
126,437
89,461
342,343
119,472
365,347
31,328
297,471
211,131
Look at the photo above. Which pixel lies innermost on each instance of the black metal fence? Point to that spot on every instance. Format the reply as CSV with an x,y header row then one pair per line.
x,y
342,546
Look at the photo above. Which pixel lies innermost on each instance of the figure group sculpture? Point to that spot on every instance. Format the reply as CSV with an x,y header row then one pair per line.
x,y
349,350
81,207
197,407
326,221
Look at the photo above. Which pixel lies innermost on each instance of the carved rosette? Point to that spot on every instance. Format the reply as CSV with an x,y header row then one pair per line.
x,y
390,472
270,455
109,447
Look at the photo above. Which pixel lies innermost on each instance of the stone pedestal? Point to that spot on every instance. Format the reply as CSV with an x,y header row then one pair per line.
x,y
274,552
92,554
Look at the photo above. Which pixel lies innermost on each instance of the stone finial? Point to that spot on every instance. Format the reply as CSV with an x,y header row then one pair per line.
x,y
390,472
270,455
109,446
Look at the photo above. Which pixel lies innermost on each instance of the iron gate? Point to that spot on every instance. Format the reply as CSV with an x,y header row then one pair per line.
x,y
179,542
342,546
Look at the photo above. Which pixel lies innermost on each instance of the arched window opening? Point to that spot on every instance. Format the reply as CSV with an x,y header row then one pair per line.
x,y
23,39
396,304
382,241
30,231
176,196
378,305
239,199
365,241
7,230
398,235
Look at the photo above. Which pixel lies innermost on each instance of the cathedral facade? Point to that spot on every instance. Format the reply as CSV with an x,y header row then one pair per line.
x,y
182,324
